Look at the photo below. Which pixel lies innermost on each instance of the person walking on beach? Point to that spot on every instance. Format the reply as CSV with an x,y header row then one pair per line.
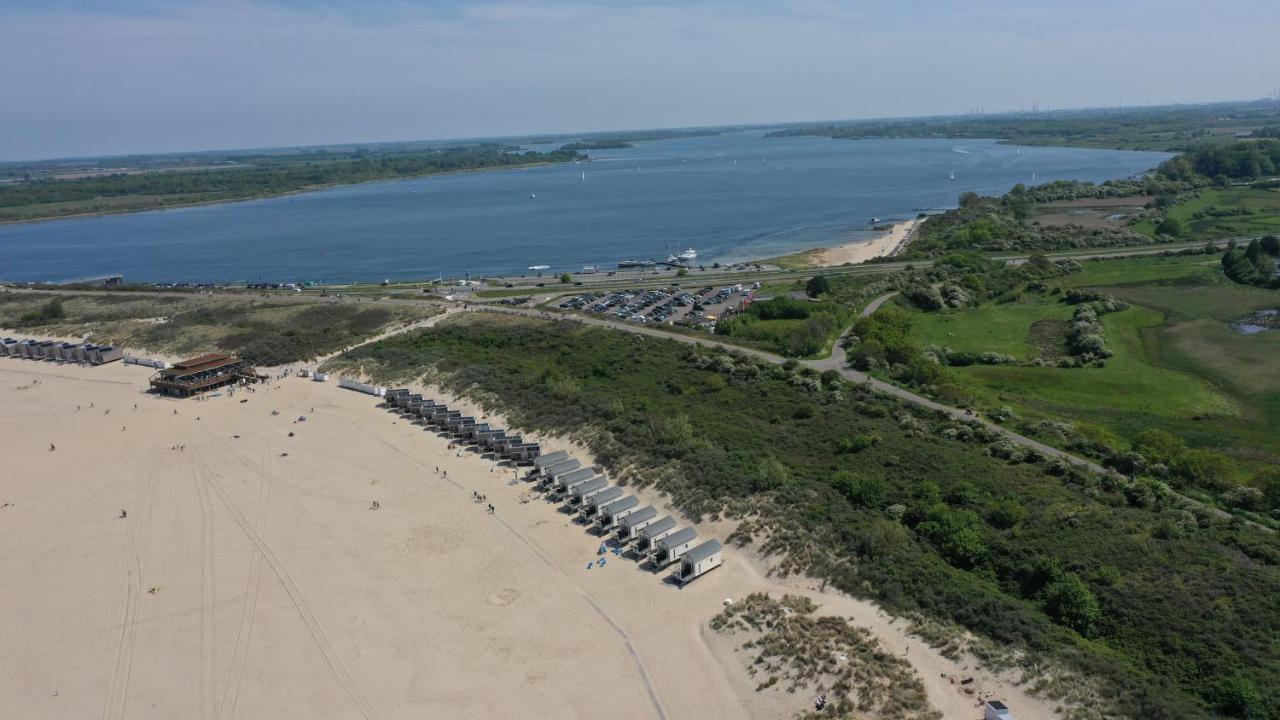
x,y
51,447
123,513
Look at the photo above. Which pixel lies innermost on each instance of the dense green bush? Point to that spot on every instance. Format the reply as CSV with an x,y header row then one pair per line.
x,y
923,519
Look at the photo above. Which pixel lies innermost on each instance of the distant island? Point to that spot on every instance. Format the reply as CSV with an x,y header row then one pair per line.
x,y
1168,128
595,145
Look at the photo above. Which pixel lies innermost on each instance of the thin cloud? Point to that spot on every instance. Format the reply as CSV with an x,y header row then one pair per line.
x,y
144,76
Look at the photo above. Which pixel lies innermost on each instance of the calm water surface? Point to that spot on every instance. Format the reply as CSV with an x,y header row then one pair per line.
x,y
732,197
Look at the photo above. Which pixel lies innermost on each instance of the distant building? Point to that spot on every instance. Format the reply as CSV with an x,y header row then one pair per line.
x,y
202,374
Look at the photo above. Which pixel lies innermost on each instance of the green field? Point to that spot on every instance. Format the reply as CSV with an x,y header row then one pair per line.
x,y
1177,366
1226,212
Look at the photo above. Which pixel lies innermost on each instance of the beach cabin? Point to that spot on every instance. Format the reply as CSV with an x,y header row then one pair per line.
x,y
395,395
27,348
456,424
670,548
469,432
490,437
107,353
504,444
653,532
7,346
525,453
631,524
700,560
996,710
45,350
613,512
550,472
566,482
68,351
85,352
591,506
550,459
585,490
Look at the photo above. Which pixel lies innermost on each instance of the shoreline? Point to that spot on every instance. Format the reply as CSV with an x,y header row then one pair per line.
x,y
890,244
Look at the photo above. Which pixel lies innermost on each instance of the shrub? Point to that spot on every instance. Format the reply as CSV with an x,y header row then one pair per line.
x,y
1069,602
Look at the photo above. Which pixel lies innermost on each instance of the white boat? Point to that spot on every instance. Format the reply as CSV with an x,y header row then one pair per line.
x,y
539,268
687,256
534,195
953,176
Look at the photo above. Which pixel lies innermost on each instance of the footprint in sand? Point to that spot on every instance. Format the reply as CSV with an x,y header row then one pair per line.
x,y
504,597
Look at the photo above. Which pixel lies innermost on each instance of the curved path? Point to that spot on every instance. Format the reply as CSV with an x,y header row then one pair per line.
x,y
837,361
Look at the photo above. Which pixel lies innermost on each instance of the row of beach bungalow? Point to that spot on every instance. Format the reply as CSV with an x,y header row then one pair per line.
x,y
54,351
465,428
583,490
656,540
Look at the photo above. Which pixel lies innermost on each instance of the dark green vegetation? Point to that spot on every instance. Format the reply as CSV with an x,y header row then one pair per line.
x,y
1223,162
1172,611
265,332
1170,363
1153,128
248,176
789,643
1257,263
796,328
1216,189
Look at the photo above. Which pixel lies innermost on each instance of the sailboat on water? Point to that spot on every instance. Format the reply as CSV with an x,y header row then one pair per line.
x,y
953,176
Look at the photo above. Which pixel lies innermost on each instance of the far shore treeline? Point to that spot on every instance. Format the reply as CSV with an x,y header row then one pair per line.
x,y
256,176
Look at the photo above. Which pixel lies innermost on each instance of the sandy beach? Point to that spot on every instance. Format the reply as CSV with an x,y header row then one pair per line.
x,y
251,577
888,244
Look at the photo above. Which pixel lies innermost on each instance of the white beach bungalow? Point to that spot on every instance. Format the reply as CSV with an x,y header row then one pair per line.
x,y
700,560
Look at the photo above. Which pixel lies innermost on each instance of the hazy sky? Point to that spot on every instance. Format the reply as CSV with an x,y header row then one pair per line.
x,y
119,76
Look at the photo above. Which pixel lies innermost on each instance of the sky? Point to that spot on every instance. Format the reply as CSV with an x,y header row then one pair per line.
x,y
97,77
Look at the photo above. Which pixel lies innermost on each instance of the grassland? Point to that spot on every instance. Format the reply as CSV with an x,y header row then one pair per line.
x,y
897,503
266,332
1226,212
1177,366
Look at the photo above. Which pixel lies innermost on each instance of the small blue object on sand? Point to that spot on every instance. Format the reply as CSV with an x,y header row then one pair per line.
x,y
589,565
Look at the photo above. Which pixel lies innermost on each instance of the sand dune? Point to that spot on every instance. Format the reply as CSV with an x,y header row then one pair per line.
x,y
249,583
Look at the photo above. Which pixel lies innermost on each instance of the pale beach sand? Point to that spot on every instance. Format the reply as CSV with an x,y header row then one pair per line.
x,y
249,584
888,244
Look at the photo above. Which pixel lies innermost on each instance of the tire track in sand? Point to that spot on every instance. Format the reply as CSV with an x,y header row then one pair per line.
x,y
133,540
226,703
208,600
327,652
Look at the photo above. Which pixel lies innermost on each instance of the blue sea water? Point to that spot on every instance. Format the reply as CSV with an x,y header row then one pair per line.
x,y
731,197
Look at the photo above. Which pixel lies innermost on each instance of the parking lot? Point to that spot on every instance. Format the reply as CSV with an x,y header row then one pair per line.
x,y
663,306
